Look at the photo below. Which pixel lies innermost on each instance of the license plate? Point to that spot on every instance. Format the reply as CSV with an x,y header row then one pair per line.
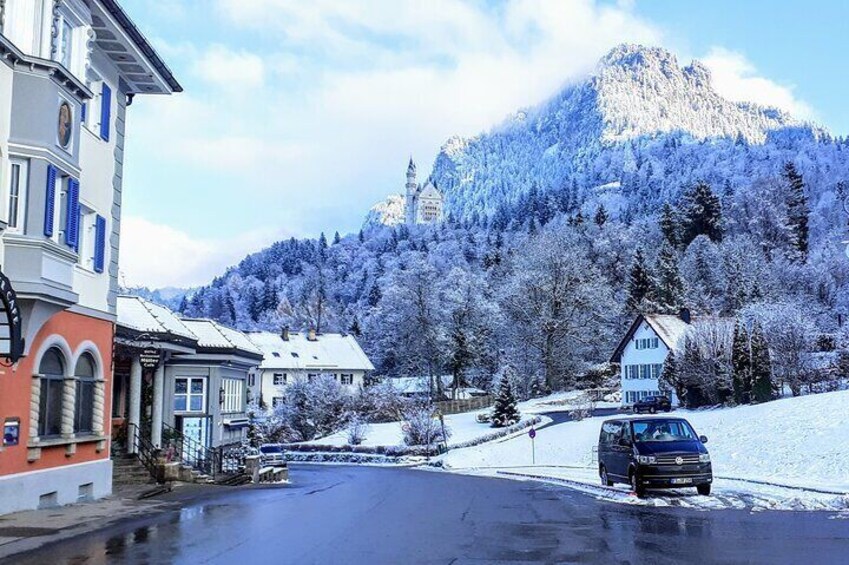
x,y
685,481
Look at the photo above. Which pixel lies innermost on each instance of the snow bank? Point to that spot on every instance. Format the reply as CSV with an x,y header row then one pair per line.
x,y
794,442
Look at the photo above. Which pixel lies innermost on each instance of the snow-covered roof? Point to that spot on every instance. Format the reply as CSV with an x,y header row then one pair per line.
x,y
136,313
213,335
670,329
328,351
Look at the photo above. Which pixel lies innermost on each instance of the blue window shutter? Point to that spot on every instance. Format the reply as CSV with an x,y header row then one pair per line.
x,y
105,111
99,243
83,112
50,200
72,217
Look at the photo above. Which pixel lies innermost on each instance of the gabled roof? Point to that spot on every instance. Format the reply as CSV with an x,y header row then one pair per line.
x,y
429,190
670,329
328,351
212,335
140,315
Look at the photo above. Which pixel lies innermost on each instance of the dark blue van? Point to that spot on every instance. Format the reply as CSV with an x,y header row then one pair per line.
x,y
650,453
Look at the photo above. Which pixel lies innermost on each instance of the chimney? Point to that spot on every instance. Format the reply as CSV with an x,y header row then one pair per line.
x,y
284,333
684,314
311,335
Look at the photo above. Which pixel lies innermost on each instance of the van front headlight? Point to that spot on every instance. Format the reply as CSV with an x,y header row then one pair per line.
x,y
647,459
704,458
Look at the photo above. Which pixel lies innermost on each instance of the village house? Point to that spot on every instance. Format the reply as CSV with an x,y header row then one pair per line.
x,y
187,380
70,69
642,353
290,356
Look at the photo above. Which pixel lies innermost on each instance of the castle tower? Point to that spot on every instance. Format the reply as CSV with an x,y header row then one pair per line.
x,y
412,193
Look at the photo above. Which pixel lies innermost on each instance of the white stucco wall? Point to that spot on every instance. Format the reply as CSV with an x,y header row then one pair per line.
x,y
633,356
23,491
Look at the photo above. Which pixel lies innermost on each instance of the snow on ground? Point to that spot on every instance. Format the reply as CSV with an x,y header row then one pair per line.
x,y
464,427
793,442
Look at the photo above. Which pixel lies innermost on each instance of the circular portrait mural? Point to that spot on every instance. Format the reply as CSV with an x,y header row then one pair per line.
x,y
66,124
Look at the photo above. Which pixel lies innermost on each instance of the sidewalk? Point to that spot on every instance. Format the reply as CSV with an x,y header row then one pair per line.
x,y
25,531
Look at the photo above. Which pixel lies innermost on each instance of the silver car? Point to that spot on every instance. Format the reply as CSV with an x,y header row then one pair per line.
x,y
272,455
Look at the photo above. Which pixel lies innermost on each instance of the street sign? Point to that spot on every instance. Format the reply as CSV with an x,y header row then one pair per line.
x,y
532,433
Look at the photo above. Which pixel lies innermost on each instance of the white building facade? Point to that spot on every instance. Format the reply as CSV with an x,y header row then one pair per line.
x,y
292,356
423,204
643,351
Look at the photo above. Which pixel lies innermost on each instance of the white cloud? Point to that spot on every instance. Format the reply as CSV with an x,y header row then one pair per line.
x,y
736,78
226,68
156,255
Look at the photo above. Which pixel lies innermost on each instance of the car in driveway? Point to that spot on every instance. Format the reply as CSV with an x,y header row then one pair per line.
x,y
272,455
652,453
652,404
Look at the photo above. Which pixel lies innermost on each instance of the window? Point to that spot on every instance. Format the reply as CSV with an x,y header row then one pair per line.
x,y
347,378
311,377
52,375
234,396
189,394
84,402
655,370
18,176
87,237
64,42
279,379
276,401
275,354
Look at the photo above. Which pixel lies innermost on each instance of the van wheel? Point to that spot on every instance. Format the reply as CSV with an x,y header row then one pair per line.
x,y
704,490
638,489
605,479
652,410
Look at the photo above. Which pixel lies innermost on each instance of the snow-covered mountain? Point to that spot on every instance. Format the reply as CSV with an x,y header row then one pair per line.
x,y
389,212
638,119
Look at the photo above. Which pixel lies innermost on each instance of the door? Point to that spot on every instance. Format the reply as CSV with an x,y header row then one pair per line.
x,y
608,454
621,451
195,430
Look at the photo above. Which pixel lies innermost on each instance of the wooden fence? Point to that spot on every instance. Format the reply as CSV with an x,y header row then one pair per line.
x,y
466,405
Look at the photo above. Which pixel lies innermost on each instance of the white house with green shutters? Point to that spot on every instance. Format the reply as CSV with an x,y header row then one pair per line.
x,y
642,353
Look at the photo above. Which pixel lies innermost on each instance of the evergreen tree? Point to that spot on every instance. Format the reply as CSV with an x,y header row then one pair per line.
x,y
505,413
355,328
702,211
639,282
797,213
600,215
361,237
336,238
669,290
741,364
322,246
670,378
669,226
762,387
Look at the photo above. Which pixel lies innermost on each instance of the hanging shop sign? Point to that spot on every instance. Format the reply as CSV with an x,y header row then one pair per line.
x,y
149,358
11,341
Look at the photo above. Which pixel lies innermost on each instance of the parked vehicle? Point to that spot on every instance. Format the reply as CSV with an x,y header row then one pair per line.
x,y
272,455
652,405
653,453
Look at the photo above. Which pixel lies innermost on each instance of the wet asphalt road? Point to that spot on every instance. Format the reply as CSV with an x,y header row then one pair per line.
x,y
400,516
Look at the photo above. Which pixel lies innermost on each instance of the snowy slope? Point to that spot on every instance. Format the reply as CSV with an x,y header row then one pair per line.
x,y
390,212
795,441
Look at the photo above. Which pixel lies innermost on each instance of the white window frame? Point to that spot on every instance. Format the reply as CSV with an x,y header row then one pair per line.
x,y
234,396
87,237
189,394
75,45
346,377
283,379
59,193
21,202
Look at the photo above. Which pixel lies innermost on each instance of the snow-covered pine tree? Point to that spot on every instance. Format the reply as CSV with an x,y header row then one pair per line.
x,y
797,213
670,377
741,364
505,413
762,386
702,214
640,283
669,289
669,225
600,215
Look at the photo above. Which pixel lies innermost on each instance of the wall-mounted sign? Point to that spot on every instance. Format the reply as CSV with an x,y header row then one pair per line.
x,y
65,125
11,431
149,358
11,342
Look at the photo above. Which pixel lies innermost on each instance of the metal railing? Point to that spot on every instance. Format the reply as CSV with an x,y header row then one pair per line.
x,y
143,449
189,451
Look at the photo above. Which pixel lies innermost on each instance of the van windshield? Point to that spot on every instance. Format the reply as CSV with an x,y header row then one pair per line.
x,y
270,449
662,430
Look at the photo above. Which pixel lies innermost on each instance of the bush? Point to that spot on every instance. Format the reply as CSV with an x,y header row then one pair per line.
x,y
421,428
357,430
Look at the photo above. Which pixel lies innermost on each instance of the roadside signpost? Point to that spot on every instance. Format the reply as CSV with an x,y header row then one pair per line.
x,y
532,434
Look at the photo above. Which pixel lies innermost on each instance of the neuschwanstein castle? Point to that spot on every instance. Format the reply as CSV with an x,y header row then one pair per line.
x,y
423,204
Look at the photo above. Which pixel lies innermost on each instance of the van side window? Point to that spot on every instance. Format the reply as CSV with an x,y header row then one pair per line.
x,y
610,432
626,433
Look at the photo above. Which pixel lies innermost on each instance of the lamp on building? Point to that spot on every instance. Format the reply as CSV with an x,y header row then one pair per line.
x,y
221,397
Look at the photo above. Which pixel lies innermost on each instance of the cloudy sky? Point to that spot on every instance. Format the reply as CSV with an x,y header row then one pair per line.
x,y
299,115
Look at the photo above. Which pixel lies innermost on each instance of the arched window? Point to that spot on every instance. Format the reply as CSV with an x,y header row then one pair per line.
x,y
51,371
85,372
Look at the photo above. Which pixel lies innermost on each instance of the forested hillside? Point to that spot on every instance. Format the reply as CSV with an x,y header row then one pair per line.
x,y
638,189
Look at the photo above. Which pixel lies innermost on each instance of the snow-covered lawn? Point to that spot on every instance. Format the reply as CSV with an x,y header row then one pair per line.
x,y
464,427
797,442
